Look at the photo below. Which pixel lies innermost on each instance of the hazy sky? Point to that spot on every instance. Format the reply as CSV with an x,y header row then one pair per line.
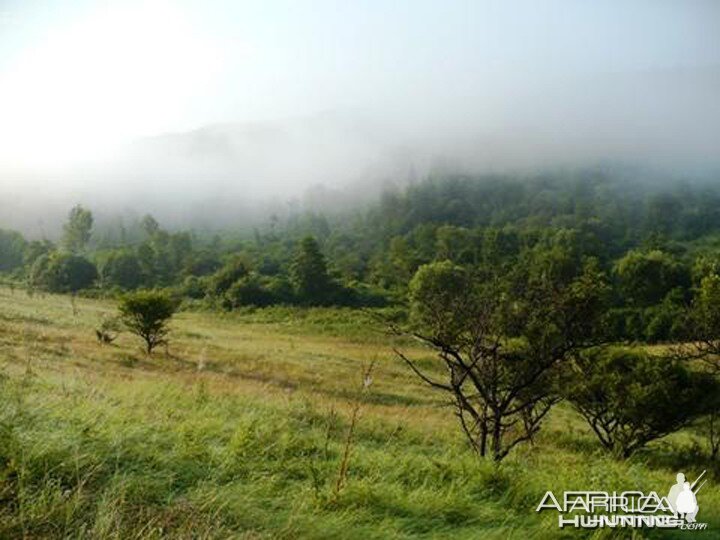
x,y
76,75
581,77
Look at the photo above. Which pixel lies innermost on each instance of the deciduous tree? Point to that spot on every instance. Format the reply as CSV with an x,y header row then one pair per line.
x,y
147,314
76,232
309,274
630,398
501,341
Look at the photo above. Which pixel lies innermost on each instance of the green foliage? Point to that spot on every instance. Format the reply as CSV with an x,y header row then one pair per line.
x,y
456,244
194,287
34,249
706,308
251,290
440,297
646,277
705,264
76,232
150,225
309,274
630,398
281,289
122,269
648,235
518,262
235,269
503,339
95,443
164,258
704,317
108,329
201,264
62,272
147,314
667,321
12,249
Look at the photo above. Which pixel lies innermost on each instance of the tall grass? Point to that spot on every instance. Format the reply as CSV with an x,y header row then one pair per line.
x,y
98,441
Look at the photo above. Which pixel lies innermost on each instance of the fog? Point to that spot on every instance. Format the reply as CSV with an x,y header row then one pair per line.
x,y
213,114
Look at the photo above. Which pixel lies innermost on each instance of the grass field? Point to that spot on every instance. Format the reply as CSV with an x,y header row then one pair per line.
x,y
239,431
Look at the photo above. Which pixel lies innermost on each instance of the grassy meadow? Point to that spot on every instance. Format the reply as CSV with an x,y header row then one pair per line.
x,y
240,428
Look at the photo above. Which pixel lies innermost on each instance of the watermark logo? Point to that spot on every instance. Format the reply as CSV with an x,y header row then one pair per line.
x,y
598,509
683,499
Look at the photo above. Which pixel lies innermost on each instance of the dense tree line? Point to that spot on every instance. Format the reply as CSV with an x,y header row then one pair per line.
x,y
529,290
653,238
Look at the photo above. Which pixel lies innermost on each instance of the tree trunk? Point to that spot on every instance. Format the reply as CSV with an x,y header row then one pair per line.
x,y
497,436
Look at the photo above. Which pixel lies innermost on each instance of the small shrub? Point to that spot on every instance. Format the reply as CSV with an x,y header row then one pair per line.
x,y
194,287
252,290
108,330
146,314
234,270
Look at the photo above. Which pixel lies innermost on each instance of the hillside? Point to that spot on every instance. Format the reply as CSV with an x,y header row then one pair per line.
x,y
239,429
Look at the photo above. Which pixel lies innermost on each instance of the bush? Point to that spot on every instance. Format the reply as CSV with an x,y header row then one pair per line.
x,y
202,264
108,330
630,398
249,291
221,281
281,289
361,295
194,287
122,269
146,314
62,272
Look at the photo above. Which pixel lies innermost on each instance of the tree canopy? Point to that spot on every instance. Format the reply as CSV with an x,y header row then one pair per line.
x,y
77,230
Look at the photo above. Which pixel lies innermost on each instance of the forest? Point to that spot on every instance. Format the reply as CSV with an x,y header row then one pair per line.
x,y
655,241
565,317
421,269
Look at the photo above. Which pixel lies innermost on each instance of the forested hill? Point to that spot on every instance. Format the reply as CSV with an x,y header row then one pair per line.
x,y
451,217
626,206
618,209
640,229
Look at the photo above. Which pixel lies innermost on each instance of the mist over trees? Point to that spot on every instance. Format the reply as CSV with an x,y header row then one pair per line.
x,y
518,285
76,232
649,238
356,270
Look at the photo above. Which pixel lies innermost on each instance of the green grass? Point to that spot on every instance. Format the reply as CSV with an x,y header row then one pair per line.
x,y
239,430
